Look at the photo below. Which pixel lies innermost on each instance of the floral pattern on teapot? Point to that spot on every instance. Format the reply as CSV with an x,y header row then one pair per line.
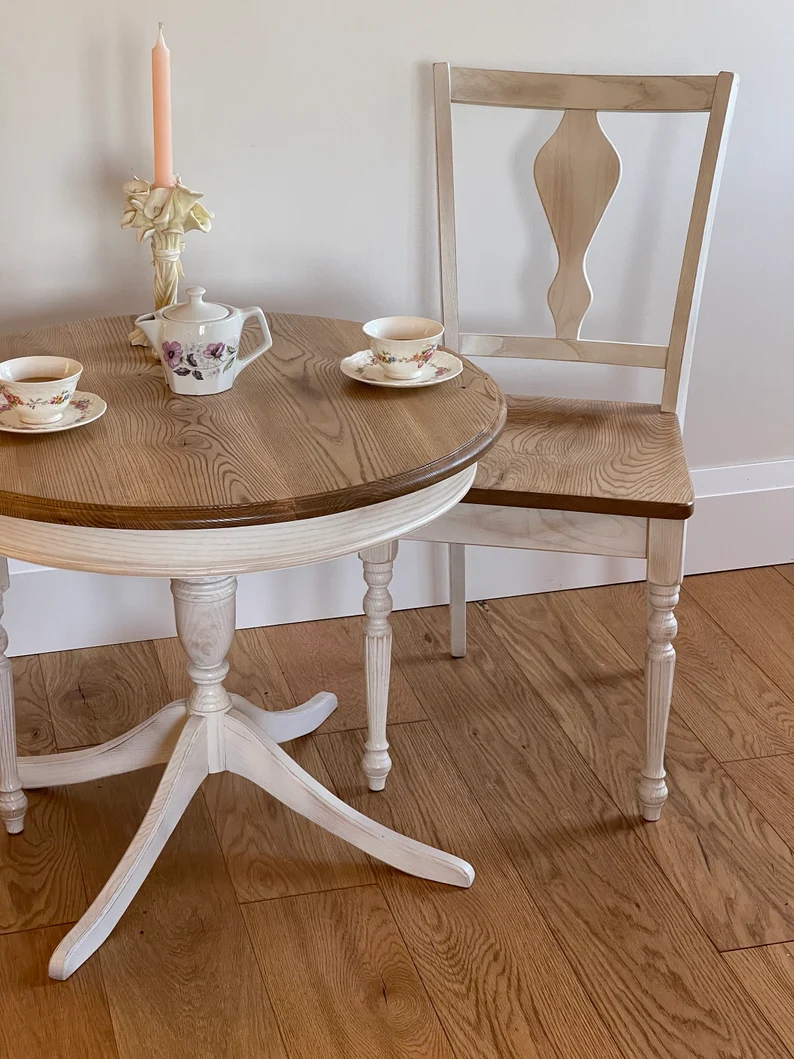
x,y
202,362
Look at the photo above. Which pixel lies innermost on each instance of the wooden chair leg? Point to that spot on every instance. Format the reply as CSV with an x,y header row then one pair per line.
x,y
13,802
665,572
457,600
378,568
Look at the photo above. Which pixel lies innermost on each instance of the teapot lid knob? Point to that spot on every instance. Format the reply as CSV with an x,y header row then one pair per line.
x,y
196,310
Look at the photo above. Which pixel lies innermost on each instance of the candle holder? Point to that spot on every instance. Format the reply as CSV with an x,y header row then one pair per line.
x,y
163,215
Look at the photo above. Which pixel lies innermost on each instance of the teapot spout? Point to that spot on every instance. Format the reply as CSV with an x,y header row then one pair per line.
x,y
150,326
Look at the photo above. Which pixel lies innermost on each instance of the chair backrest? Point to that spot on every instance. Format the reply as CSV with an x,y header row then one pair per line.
x,y
576,173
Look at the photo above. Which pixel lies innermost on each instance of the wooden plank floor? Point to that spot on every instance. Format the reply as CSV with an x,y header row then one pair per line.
x,y
587,934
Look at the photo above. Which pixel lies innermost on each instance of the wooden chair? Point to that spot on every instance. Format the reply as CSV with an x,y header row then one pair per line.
x,y
579,475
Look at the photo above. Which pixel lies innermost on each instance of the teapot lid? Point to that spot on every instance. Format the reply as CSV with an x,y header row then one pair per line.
x,y
195,310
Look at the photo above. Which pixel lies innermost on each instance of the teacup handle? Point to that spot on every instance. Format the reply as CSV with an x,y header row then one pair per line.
x,y
247,358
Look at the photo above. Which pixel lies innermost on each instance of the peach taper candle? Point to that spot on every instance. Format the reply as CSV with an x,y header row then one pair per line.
x,y
161,108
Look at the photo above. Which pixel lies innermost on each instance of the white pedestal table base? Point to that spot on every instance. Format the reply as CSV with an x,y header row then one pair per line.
x,y
213,731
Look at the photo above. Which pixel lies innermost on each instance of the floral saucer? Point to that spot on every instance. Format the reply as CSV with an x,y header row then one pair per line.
x,y
364,367
82,409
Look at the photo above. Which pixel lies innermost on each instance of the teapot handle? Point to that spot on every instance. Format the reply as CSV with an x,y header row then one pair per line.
x,y
246,359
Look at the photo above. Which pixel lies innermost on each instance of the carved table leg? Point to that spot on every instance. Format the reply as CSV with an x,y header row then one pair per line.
x,y
13,802
665,570
378,568
205,617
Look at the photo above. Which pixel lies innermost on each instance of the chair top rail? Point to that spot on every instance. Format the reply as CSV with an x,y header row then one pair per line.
x,y
545,91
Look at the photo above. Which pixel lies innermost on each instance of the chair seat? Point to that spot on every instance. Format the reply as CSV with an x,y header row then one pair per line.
x,y
575,455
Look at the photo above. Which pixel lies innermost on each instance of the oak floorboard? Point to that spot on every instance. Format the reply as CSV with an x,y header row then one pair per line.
x,y
101,692
728,865
269,850
179,970
40,880
495,974
329,656
655,978
43,1019
787,570
730,704
342,982
769,784
34,725
767,973
756,609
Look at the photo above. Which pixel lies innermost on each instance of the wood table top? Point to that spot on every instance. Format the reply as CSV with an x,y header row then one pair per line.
x,y
293,439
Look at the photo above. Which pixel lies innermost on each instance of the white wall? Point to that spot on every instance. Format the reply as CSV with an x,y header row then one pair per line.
x,y
309,128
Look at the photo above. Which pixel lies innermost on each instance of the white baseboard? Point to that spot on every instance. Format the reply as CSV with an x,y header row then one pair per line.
x,y
744,517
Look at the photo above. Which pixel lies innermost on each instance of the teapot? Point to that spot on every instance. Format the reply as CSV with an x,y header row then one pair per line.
x,y
198,342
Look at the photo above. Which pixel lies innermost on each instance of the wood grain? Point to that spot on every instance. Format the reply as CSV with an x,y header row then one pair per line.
x,y
768,976
101,692
269,850
769,783
40,881
654,976
493,970
756,609
294,439
43,1019
254,671
728,865
619,459
787,571
180,953
541,91
34,725
730,704
329,655
577,171
341,979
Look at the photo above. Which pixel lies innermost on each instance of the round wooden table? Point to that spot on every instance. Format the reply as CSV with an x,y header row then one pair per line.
x,y
295,465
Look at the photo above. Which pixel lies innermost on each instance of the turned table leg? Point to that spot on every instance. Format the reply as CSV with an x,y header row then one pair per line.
x,y
205,609
378,568
13,802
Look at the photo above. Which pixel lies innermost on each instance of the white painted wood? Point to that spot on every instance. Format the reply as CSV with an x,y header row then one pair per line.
x,y
539,529
445,189
690,286
211,731
378,568
13,802
250,753
665,572
546,91
192,553
183,776
590,351
205,618
457,598
151,743
282,726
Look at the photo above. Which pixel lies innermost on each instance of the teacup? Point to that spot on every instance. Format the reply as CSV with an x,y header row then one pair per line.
x,y
403,344
39,388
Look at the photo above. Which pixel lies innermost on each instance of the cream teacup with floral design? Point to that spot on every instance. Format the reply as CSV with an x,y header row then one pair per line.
x,y
403,344
39,388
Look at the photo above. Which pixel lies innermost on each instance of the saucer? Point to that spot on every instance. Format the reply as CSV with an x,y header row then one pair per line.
x,y
83,408
364,367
